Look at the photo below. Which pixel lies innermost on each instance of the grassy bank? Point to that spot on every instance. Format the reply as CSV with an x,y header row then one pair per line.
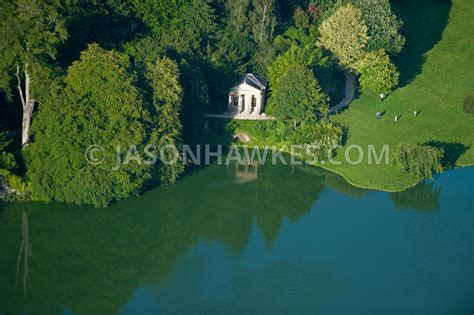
x,y
433,84
436,76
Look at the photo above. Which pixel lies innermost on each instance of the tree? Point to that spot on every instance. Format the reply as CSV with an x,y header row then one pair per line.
x,y
383,25
7,159
99,105
300,53
237,12
345,34
195,100
378,73
30,31
163,75
324,137
185,26
418,160
312,14
297,93
263,20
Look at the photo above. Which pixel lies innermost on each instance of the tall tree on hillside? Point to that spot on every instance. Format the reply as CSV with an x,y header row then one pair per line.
x,y
100,105
238,15
297,95
30,31
163,76
377,72
263,20
383,25
186,26
345,34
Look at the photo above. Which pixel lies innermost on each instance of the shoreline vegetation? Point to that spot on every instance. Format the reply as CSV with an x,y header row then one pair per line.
x,y
436,92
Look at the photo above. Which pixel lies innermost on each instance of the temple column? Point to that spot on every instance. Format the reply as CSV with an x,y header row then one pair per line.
x,y
239,107
258,104
229,104
248,103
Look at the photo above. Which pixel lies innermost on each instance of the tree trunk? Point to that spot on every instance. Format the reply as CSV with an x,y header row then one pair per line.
x,y
25,130
27,103
264,16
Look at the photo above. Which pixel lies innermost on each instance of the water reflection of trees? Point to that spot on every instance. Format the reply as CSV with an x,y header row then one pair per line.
x,y
424,197
91,260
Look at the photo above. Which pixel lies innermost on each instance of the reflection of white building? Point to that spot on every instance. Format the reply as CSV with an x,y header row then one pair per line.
x,y
247,99
244,171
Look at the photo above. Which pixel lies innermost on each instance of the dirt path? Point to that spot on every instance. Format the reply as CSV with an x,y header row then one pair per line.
x,y
349,93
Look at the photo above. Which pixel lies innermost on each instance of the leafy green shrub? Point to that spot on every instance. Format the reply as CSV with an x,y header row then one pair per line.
x,y
296,93
469,104
419,160
345,35
377,72
324,137
7,159
276,129
264,128
14,181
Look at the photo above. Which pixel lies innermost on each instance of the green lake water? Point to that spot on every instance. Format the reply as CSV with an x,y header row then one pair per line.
x,y
280,239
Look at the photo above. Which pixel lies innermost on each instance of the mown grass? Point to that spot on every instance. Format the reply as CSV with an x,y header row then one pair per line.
x,y
435,89
437,74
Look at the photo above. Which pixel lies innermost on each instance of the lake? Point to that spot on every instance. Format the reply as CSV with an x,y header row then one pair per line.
x,y
272,239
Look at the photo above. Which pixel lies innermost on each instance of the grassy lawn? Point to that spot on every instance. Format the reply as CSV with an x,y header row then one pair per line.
x,y
437,73
434,83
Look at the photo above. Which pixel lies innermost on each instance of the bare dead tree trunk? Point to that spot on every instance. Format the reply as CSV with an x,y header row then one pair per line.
x,y
264,17
27,103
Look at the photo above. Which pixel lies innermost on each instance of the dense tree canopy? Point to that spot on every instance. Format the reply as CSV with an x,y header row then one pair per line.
x,y
99,105
383,25
262,19
137,72
345,34
297,94
163,75
184,26
324,137
30,31
377,72
419,160
7,160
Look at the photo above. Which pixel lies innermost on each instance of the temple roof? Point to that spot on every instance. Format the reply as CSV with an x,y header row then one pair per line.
x,y
255,81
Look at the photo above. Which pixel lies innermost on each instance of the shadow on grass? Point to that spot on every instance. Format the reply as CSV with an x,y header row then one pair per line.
x,y
345,135
452,151
424,22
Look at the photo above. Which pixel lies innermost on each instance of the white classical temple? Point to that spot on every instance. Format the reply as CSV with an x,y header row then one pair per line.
x,y
247,99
